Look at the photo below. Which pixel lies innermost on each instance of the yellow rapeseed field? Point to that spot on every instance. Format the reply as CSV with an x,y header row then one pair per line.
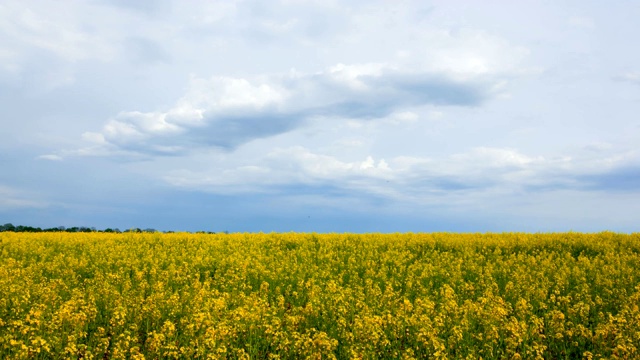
x,y
319,296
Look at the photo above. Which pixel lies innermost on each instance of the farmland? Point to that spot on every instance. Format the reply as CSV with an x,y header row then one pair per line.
x,y
290,296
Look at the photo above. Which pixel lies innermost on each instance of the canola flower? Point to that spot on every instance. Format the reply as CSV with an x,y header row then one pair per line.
x,y
319,296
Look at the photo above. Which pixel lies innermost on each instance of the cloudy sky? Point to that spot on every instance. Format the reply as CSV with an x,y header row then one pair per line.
x,y
327,116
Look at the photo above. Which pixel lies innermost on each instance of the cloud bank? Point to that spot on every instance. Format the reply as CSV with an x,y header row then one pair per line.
x,y
226,112
478,172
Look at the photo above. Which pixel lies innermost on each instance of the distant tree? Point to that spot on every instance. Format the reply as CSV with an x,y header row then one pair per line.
x,y
75,229
52,229
22,228
7,227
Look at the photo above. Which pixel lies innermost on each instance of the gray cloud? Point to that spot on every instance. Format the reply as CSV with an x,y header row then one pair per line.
x,y
228,112
231,131
621,179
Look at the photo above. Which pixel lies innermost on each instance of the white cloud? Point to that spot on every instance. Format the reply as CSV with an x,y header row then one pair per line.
x,y
281,167
317,167
478,172
51,157
227,112
468,53
486,157
403,117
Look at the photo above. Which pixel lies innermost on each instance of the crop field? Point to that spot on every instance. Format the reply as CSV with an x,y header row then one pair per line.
x,y
319,296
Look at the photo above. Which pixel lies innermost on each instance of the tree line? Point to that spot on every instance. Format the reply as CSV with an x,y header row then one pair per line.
x,y
77,229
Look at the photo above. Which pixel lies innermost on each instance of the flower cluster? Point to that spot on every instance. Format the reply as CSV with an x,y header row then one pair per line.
x,y
319,296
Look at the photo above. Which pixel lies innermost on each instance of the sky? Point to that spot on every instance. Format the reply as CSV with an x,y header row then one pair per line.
x,y
321,116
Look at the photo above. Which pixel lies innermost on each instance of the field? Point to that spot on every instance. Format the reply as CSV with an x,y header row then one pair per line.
x,y
319,296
